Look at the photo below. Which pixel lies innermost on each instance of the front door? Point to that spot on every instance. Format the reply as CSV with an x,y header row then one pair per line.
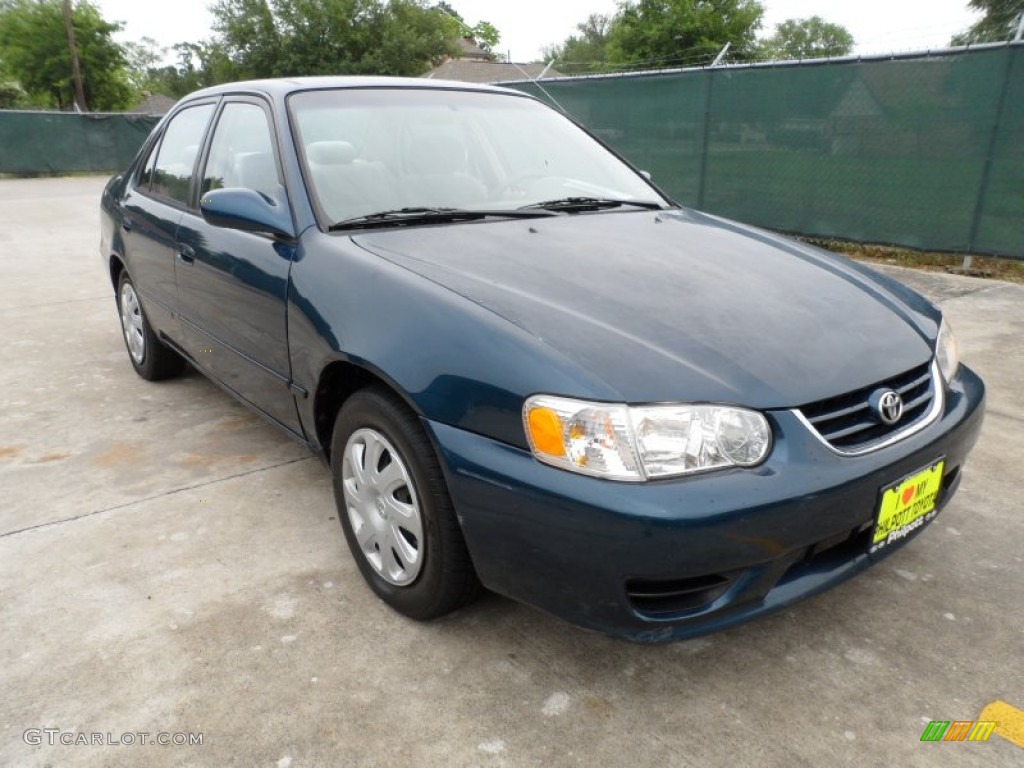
x,y
233,285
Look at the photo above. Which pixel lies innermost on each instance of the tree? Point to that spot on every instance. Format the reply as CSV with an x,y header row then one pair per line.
x,y
1000,22
34,46
141,59
198,65
586,51
812,38
447,8
11,94
486,36
652,34
278,38
664,33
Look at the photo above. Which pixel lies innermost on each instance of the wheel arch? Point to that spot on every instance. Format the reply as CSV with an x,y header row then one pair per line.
x,y
116,266
338,381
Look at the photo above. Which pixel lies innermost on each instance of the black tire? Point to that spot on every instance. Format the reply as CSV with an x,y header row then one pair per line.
x,y
156,360
445,579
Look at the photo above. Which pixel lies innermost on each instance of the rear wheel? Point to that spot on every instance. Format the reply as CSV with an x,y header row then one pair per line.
x,y
151,358
395,510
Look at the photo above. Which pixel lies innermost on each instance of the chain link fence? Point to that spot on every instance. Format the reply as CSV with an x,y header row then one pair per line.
x,y
33,143
925,151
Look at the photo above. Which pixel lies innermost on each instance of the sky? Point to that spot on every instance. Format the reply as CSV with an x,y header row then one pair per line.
x,y
526,26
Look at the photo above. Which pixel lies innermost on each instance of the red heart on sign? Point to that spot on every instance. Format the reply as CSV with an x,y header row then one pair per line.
x,y
908,494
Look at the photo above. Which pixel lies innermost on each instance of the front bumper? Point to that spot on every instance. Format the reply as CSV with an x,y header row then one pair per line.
x,y
675,558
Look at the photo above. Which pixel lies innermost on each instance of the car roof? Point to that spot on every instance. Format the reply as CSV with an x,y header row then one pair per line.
x,y
281,87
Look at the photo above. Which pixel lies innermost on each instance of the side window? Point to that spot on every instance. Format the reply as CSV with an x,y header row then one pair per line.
x,y
242,151
178,151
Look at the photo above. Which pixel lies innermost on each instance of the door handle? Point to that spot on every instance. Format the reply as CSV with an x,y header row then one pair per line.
x,y
126,225
186,255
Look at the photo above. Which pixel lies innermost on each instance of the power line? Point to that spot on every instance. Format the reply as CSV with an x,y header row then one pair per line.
x,y
685,57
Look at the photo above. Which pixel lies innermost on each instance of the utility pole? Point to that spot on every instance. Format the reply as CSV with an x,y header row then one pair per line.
x,y
76,70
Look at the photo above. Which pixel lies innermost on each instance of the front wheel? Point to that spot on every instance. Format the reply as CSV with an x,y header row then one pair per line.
x,y
395,510
150,357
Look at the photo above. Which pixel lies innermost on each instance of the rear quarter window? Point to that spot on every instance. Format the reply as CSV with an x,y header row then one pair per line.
x,y
145,178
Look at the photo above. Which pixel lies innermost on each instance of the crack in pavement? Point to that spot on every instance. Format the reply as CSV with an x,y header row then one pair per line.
x,y
920,280
990,287
990,412
151,498
53,303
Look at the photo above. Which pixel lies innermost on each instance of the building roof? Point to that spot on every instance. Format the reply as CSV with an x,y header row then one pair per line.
x,y
155,104
468,49
472,71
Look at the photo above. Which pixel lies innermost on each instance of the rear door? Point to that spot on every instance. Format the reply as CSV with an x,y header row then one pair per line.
x,y
153,206
233,285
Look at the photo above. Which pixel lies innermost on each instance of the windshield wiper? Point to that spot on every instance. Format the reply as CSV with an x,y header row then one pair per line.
x,y
402,216
570,204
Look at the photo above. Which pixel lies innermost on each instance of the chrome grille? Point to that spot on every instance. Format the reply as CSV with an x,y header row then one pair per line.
x,y
846,422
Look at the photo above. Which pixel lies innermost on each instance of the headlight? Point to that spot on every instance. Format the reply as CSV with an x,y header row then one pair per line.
x,y
633,444
946,353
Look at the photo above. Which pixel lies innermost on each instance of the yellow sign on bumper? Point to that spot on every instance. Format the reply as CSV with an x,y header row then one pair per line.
x,y
907,505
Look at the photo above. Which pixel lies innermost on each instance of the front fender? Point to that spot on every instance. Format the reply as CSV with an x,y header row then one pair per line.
x,y
454,361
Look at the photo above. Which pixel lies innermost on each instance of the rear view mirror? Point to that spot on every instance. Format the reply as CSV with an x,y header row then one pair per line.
x,y
247,210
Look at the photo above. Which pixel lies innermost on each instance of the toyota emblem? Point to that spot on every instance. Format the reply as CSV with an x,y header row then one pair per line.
x,y
888,406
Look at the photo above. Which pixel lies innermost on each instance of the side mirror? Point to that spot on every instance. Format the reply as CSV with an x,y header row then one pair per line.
x,y
646,174
247,210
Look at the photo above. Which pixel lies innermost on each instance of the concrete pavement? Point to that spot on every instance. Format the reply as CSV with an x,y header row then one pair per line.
x,y
170,564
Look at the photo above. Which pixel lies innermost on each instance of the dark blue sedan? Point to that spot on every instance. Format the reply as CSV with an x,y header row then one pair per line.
x,y
528,369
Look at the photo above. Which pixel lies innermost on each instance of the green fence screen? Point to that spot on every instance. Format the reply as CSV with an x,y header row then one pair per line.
x,y
924,151
65,142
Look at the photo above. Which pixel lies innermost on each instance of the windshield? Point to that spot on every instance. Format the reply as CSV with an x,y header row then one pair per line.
x,y
374,150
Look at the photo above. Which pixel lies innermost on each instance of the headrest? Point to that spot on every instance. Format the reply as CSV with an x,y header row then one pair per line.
x,y
256,170
331,152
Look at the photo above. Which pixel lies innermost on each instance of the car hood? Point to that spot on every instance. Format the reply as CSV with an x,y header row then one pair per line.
x,y
677,305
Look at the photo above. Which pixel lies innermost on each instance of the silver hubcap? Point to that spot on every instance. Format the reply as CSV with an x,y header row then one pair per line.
x,y
132,323
382,507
